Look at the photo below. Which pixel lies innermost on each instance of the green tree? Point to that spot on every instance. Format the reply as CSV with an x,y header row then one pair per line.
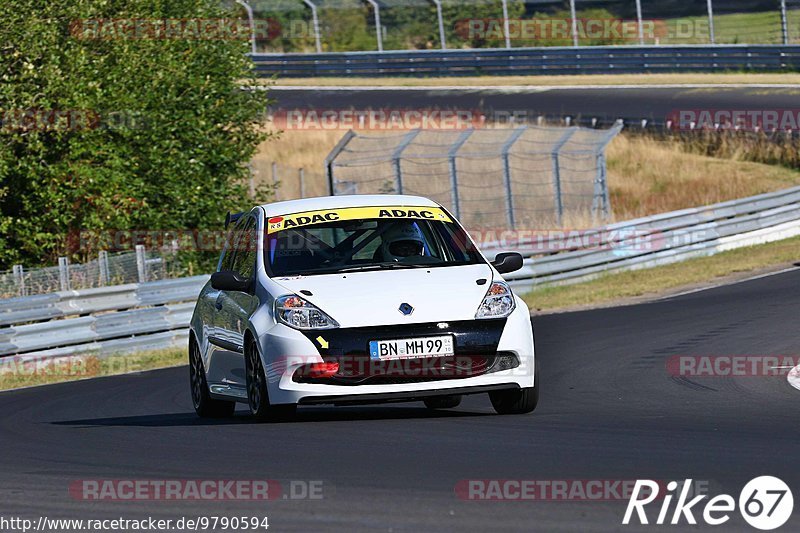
x,y
106,130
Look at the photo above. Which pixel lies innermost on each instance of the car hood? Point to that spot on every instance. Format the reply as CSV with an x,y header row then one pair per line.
x,y
359,299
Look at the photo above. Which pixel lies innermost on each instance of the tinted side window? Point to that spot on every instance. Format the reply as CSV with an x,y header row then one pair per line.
x,y
245,261
229,256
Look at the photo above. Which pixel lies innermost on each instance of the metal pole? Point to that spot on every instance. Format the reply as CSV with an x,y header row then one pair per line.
x,y
331,159
452,154
141,264
639,21
63,273
711,34
302,175
574,14
19,278
559,201
506,25
315,21
784,23
515,135
102,262
440,16
252,21
378,29
275,179
398,171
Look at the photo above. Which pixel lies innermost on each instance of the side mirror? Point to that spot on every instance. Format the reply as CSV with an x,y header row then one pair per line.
x,y
230,281
508,262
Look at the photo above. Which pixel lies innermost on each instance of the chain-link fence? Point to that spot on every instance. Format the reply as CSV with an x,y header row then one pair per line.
x,y
289,183
108,269
530,176
352,25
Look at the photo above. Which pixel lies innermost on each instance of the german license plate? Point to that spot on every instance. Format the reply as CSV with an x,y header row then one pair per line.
x,y
411,348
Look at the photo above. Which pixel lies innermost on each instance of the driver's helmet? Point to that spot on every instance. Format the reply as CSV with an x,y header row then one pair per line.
x,y
401,241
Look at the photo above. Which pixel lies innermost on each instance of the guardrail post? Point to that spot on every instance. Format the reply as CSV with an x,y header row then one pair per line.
x,y
515,135
398,170
315,22
452,166
19,279
102,263
63,273
784,23
331,159
302,177
141,263
711,34
559,201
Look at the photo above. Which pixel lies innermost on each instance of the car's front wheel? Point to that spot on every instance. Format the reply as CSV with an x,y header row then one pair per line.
x,y
517,401
204,405
257,395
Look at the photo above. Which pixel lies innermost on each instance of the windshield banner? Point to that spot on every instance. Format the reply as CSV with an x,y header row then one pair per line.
x,y
309,218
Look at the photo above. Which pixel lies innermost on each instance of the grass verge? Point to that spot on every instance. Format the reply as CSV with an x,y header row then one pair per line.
x,y
16,373
733,78
667,279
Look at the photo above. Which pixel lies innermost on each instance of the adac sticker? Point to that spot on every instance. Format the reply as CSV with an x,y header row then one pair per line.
x,y
310,218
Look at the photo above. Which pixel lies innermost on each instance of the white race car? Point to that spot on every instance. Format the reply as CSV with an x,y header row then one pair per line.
x,y
358,299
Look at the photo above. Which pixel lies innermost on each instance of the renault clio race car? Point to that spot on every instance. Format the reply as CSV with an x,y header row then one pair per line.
x,y
358,299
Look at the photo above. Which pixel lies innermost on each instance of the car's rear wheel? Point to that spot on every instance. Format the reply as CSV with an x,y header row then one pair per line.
x,y
443,402
204,405
517,401
257,395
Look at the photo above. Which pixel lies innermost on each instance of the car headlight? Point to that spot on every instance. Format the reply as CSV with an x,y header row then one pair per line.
x,y
498,302
297,313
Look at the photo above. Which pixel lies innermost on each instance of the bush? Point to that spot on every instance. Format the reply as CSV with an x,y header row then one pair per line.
x,y
116,133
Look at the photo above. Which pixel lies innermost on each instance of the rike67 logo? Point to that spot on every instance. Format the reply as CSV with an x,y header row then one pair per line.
x,y
765,503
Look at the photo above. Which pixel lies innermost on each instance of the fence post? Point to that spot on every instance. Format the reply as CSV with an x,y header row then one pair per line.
x,y
559,201
141,263
440,17
453,167
63,273
102,263
302,177
711,34
784,23
275,179
19,279
378,30
330,160
516,134
574,15
315,21
639,21
506,25
398,171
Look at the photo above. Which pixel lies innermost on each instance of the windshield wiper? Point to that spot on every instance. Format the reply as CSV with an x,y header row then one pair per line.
x,y
378,266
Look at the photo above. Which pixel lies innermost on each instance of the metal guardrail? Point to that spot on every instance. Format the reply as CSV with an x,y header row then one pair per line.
x,y
514,61
156,315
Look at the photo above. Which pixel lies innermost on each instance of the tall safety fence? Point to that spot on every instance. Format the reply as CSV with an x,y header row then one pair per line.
x,y
530,176
369,25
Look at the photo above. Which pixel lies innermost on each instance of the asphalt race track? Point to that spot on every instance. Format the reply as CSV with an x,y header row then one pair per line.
x,y
609,410
604,103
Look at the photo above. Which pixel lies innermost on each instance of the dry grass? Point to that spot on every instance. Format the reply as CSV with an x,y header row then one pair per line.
x,y
646,176
16,374
610,79
658,280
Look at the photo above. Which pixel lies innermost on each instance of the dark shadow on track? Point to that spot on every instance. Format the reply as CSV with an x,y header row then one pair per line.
x,y
303,415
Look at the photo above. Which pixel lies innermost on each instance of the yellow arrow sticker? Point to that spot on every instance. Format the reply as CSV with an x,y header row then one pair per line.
x,y
322,342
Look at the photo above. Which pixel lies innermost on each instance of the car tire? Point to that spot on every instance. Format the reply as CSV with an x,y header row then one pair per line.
x,y
517,401
443,402
257,394
204,405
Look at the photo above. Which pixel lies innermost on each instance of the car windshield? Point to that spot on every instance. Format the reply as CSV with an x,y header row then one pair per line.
x,y
334,242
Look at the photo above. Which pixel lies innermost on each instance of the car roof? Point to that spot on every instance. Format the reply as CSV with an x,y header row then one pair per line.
x,y
341,202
